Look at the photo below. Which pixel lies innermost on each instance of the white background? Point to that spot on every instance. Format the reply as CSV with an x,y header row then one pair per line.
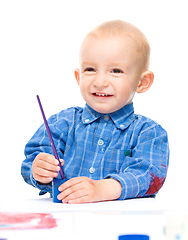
x,y
39,45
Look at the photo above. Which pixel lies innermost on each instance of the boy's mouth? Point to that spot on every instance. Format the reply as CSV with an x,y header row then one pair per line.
x,y
101,94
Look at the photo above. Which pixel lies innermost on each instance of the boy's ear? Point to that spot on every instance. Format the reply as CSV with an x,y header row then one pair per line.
x,y
77,75
146,80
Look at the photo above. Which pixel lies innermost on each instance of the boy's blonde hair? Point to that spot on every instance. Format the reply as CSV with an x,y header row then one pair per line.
x,y
122,29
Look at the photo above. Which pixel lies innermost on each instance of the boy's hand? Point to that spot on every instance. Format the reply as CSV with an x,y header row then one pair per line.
x,y
84,189
45,168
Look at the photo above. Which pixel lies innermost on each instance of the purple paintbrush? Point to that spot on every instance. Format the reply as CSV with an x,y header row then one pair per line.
x,y
51,139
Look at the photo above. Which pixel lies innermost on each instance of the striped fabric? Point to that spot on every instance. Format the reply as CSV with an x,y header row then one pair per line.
x,y
129,148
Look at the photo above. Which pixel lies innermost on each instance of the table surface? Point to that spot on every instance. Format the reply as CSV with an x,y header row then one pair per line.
x,y
104,220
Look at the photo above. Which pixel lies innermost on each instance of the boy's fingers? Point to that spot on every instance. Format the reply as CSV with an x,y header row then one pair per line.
x,y
48,158
48,166
75,195
69,183
43,179
72,192
45,173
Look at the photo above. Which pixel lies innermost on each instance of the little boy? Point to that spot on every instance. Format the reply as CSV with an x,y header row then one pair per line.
x,y
107,151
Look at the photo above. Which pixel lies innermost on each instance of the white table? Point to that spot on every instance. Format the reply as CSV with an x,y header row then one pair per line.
x,y
106,220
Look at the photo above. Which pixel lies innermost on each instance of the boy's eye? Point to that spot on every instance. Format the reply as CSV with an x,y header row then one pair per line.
x,y
116,70
89,69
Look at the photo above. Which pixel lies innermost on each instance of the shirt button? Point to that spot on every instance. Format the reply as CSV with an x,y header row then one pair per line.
x,y
87,120
106,117
100,142
121,126
92,170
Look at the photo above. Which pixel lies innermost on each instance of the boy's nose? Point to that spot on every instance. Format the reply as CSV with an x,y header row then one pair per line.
x,y
101,81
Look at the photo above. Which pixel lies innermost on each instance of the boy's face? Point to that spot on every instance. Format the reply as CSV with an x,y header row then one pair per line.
x,y
108,75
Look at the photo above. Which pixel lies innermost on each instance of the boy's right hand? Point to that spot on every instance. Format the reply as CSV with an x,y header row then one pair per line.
x,y
45,168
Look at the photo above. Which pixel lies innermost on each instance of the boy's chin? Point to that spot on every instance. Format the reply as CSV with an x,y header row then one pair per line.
x,y
104,110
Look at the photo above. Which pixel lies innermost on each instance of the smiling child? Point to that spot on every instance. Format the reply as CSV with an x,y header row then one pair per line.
x,y
108,152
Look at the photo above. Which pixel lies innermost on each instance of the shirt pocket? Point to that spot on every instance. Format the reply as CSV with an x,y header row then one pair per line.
x,y
113,160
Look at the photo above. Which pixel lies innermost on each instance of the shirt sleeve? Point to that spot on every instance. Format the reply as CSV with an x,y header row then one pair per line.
x,y
40,143
147,165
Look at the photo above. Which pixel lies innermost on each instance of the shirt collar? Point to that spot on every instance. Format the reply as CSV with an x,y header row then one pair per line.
x,y
90,115
121,118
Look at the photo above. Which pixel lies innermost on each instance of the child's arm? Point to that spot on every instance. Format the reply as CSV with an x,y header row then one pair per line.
x,y
36,147
84,189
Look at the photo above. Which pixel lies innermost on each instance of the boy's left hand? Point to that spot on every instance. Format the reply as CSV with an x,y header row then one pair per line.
x,y
84,189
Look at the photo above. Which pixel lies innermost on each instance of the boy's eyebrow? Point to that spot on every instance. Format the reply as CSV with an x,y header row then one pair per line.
x,y
117,63
86,63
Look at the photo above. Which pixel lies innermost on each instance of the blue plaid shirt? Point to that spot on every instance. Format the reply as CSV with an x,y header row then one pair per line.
x,y
129,148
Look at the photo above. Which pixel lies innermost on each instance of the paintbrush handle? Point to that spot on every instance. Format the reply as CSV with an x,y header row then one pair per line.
x,y
51,139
